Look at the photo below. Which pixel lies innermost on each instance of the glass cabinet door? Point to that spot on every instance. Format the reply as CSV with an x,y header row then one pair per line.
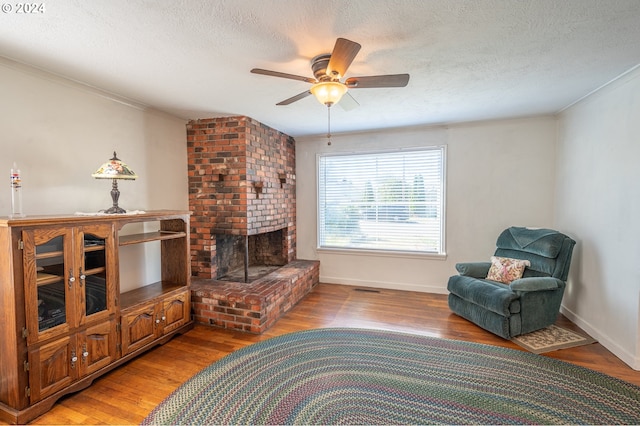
x,y
96,297
49,282
68,278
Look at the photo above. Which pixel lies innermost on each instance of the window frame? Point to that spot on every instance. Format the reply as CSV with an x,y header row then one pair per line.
x,y
442,254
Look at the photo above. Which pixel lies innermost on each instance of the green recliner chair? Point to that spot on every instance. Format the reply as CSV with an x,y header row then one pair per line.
x,y
525,304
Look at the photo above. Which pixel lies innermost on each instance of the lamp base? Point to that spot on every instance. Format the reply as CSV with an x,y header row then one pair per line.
x,y
115,194
115,210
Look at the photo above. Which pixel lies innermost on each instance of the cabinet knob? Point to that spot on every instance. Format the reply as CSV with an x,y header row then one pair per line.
x,y
85,354
164,318
74,359
157,321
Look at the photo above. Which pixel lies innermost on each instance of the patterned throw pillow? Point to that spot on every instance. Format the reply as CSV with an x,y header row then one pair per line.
x,y
505,269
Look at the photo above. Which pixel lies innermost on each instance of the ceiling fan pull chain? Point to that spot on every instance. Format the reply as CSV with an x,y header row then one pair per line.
x,y
329,124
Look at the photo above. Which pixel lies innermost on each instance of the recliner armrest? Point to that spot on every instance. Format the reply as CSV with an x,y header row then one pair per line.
x,y
535,284
473,269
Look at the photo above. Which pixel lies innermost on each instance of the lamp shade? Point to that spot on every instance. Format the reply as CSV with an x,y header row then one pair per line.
x,y
328,92
114,169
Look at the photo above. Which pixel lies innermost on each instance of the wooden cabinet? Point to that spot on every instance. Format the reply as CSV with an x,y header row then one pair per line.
x,y
55,365
66,320
150,321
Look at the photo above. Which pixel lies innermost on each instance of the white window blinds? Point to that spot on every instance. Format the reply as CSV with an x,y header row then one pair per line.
x,y
391,201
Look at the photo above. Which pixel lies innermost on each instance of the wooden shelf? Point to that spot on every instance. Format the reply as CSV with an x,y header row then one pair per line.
x,y
150,236
50,254
42,278
95,271
147,293
71,219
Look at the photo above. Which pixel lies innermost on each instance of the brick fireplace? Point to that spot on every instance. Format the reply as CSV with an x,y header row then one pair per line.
x,y
242,195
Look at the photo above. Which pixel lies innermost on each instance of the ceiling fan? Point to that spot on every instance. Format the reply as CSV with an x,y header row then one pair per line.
x,y
328,69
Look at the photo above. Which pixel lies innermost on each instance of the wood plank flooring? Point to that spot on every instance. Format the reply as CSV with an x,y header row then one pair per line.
x,y
129,393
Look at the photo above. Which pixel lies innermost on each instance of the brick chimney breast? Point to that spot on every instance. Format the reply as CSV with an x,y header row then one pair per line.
x,y
241,182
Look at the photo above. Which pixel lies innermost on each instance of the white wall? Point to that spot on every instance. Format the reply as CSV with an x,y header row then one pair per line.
x,y
598,202
60,132
499,174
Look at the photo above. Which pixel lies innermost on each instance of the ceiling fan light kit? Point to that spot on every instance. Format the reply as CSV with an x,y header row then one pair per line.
x,y
328,92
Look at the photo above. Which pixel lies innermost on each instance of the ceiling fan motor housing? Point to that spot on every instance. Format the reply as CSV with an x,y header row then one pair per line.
x,y
319,66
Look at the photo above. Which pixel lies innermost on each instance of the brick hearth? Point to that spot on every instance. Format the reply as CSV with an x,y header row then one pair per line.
x,y
253,307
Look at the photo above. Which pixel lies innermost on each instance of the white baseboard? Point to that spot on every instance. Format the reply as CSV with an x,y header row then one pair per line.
x,y
628,358
385,285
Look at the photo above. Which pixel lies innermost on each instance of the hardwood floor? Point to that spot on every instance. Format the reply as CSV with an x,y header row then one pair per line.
x,y
129,393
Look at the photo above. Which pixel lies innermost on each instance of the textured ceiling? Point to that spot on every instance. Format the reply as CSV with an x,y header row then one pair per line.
x,y
468,59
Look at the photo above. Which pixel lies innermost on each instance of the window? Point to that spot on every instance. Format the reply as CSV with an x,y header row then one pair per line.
x,y
391,201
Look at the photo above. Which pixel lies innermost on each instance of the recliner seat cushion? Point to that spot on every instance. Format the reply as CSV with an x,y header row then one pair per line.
x,y
505,327
496,297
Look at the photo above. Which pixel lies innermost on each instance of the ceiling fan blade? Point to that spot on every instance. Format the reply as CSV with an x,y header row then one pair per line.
x,y
348,102
295,98
283,75
393,80
343,54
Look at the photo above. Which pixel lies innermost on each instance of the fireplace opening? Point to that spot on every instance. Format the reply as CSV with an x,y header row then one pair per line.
x,y
246,258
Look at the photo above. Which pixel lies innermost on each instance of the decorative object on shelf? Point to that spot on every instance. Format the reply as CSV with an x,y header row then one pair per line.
x,y
258,185
102,213
115,169
16,193
282,177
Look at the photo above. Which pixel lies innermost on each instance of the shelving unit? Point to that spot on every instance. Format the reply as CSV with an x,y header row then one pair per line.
x,y
148,292
150,236
67,320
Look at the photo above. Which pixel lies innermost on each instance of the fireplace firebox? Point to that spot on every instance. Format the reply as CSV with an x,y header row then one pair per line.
x,y
246,258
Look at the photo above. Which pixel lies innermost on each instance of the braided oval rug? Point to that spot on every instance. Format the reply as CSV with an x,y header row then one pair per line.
x,y
357,376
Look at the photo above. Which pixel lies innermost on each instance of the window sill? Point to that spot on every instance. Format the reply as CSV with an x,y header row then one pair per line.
x,y
383,253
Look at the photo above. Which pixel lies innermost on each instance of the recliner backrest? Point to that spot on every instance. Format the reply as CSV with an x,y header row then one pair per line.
x,y
548,251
